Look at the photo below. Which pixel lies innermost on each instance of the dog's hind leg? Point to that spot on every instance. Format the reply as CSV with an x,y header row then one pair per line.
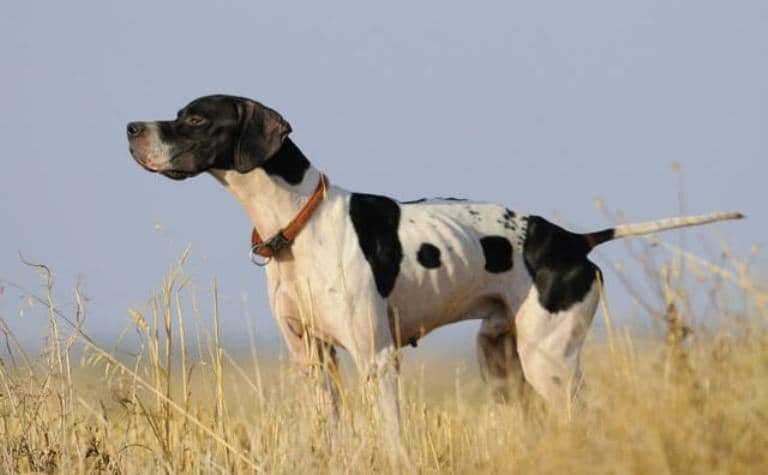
x,y
549,345
498,358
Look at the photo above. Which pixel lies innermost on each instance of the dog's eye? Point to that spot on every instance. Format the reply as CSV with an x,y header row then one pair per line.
x,y
194,120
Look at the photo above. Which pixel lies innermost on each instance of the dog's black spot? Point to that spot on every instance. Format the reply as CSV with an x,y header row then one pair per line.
x,y
473,212
510,225
557,262
429,256
508,214
521,236
498,254
288,163
376,219
439,198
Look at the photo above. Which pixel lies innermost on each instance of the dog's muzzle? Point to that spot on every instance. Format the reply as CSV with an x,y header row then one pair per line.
x,y
146,148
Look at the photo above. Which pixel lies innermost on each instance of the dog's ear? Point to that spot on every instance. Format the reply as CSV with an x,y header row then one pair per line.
x,y
262,132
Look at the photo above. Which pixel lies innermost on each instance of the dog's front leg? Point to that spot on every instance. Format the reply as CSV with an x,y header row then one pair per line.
x,y
315,357
376,359
381,379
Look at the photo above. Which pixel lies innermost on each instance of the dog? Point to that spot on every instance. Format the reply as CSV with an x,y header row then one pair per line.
x,y
370,274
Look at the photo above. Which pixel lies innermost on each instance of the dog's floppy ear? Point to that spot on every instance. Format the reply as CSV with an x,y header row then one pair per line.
x,y
262,132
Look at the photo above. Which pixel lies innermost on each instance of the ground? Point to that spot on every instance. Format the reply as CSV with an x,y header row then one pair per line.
x,y
677,399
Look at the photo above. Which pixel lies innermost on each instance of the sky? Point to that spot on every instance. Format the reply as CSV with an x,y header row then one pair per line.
x,y
543,106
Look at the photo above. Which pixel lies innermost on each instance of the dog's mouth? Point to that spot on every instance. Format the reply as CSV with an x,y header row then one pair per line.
x,y
172,174
176,174
179,174
141,162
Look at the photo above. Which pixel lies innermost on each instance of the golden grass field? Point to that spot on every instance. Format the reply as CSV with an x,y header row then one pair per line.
x,y
681,399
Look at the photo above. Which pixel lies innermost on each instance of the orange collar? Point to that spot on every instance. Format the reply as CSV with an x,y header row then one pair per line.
x,y
284,238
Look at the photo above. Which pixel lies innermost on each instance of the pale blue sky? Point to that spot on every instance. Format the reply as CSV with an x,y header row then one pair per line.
x,y
540,105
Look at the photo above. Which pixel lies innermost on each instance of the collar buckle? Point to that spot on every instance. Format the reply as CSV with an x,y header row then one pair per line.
x,y
265,250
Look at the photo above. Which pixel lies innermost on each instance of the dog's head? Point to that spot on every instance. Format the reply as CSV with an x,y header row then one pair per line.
x,y
224,132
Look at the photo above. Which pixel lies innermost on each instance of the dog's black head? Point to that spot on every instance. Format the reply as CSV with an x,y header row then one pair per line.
x,y
224,132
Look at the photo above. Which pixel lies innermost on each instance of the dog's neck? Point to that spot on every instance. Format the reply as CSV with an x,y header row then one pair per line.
x,y
274,193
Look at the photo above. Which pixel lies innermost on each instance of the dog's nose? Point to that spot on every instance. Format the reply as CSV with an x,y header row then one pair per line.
x,y
135,128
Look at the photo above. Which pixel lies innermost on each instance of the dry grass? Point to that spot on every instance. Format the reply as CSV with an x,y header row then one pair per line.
x,y
180,403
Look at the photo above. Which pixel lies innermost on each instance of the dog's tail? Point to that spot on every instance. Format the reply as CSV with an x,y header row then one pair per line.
x,y
638,229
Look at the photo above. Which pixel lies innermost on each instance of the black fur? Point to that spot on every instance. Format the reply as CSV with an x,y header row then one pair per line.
x,y
498,254
376,220
228,133
422,200
429,256
557,262
288,163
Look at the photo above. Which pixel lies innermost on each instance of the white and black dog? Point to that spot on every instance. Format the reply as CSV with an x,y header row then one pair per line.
x,y
369,274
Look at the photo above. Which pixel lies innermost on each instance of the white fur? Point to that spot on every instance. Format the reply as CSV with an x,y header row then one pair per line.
x,y
322,290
